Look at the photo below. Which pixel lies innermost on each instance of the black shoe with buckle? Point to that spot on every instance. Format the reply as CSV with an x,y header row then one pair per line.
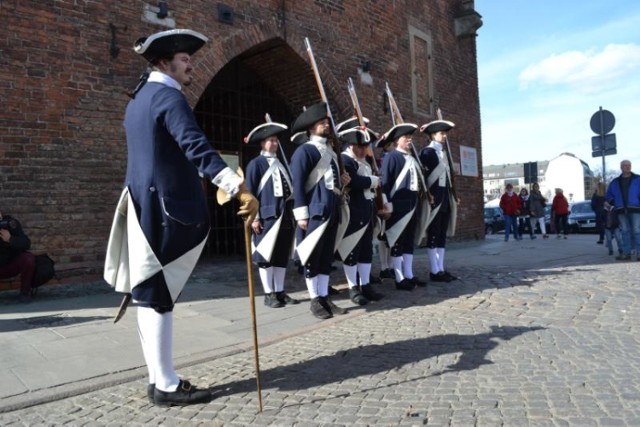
x,y
151,388
334,308
286,299
418,282
333,291
405,285
271,300
370,293
319,310
439,277
185,394
450,276
356,296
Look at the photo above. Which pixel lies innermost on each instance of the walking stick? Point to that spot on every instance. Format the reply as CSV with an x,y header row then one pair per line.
x,y
247,244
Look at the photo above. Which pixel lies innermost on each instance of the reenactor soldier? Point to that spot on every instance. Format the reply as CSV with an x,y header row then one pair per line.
x,y
269,180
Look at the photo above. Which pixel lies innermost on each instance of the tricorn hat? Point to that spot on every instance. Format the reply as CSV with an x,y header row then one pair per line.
x,y
168,43
352,122
300,138
264,131
396,132
437,126
311,115
354,136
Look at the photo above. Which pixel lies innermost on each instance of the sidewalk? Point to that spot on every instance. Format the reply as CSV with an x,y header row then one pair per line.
x,y
65,343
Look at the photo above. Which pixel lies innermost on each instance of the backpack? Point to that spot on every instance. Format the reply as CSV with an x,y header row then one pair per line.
x,y
44,272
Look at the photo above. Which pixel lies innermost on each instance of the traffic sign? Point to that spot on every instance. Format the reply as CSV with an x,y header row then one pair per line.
x,y
609,142
602,121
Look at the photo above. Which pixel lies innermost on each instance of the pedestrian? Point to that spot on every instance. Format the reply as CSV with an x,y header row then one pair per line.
x,y
443,215
269,180
511,205
611,227
401,182
537,203
624,195
15,258
597,205
560,208
162,220
356,248
525,213
317,198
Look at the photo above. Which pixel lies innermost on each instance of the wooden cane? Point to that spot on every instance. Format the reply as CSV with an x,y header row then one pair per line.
x,y
247,243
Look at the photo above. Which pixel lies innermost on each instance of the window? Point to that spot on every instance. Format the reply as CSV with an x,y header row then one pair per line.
x,y
421,73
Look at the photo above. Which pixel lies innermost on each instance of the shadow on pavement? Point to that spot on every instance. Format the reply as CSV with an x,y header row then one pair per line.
x,y
373,359
57,320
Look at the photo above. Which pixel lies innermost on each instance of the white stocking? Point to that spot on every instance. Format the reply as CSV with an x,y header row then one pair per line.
x,y
351,273
323,285
407,261
440,252
396,261
278,278
312,286
364,271
156,336
266,277
433,260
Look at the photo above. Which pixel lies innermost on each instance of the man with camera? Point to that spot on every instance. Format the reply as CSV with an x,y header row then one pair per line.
x,y
14,258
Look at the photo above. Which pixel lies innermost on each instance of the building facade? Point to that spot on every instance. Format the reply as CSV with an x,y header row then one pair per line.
x,y
67,65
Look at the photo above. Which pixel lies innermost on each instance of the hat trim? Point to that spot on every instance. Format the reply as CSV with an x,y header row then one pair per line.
x,y
262,126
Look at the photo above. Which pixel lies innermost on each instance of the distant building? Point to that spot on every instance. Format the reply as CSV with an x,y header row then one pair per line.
x,y
566,171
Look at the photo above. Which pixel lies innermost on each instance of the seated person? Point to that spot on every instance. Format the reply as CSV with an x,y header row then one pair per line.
x,y
14,258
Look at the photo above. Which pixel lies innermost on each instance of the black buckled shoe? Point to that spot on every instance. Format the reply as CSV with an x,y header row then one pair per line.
x,y
319,310
405,285
271,300
450,276
439,277
356,296
286,299
370,293
332,307
333,291
418,282
185,394
151,388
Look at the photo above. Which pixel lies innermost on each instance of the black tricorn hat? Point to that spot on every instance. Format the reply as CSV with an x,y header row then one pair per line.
x,y
354,136
352,122
311,115
396,132
300,138
168,43
264,131
437,126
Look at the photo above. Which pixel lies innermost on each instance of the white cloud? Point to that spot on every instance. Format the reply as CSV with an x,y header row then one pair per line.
x,y
586,71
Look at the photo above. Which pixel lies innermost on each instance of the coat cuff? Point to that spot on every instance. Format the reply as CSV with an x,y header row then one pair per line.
x,y
374,181
301,213
228,181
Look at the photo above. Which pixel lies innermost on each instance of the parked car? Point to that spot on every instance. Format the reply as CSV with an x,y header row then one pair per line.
x,y
582,217
493,220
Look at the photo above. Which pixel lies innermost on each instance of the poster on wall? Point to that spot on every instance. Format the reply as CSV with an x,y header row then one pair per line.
x,y
468,161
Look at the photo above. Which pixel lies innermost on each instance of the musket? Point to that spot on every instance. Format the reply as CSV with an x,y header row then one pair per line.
x,y
323,96
449,158
374,166
267,118
396,118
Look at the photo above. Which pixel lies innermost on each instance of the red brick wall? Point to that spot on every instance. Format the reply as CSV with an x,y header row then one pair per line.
x,y
62,149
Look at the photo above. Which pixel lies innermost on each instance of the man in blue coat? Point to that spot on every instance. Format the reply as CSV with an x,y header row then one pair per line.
x,y
356,248
624,195
162,221
317,190
401,183
269,180
442,220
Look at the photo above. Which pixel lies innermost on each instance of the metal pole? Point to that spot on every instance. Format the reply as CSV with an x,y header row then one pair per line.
x,y
604,173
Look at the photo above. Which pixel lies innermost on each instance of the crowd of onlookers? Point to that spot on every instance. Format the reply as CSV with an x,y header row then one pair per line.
x,y
616,207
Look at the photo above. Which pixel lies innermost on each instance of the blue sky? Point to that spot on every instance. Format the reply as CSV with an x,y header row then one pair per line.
x,y
545,67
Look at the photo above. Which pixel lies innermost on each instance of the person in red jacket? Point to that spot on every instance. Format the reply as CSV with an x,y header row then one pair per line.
x,y
511,206
560,209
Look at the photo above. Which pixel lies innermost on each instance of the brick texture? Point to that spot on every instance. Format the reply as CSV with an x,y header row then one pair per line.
x,y
63,94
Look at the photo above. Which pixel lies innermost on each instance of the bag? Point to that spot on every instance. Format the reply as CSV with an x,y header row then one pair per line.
x,y
611,219
45,271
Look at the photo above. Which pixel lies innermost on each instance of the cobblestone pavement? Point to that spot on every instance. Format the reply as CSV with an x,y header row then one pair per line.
x,y
556,346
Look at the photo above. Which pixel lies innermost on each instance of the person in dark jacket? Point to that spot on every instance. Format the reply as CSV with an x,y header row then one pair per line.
x,y
162,219
14,256
269,180
597,205
624,195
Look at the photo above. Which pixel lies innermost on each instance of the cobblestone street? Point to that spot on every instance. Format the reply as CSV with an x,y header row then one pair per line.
x,y
503,345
